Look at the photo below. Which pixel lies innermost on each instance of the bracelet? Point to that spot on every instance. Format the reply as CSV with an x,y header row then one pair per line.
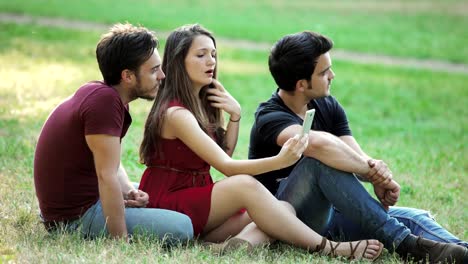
x,y
235,121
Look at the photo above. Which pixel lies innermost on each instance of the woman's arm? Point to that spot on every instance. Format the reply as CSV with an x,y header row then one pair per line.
x,y
232,134
181,124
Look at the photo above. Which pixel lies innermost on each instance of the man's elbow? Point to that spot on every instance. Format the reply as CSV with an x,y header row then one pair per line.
x,y
319,142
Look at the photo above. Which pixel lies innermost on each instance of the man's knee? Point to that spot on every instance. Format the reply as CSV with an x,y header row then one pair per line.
x,y
170,226
179,229
308,162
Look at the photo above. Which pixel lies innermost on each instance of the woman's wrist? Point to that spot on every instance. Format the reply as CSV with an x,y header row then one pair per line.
x,y
234,118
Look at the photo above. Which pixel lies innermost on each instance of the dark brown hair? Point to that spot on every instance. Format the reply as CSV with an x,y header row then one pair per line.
x,y
177,86
124,47
295,56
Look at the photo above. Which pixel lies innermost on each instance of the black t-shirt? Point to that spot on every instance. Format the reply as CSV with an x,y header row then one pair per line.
x,y
273,116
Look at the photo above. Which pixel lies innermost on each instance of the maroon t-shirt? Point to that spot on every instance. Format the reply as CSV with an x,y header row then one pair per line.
x,y
64,173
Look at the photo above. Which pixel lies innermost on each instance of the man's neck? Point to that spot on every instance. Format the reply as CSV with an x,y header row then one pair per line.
x,y
294,101
123,93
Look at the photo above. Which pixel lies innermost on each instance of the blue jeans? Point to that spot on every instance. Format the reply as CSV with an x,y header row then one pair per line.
x,y
335,204
420,222
169,226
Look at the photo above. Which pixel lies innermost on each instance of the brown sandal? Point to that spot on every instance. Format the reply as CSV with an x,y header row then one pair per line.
x,y
322,245
353,250
332,252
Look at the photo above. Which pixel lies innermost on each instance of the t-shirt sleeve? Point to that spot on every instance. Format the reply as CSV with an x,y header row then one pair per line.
x,y
102,112
341,124
271,124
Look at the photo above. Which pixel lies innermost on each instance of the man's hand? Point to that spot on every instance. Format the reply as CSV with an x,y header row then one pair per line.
x,y
136,198
388,194
379,173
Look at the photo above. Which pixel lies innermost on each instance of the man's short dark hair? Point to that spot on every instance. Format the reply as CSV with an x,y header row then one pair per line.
x,y
124,47
294,57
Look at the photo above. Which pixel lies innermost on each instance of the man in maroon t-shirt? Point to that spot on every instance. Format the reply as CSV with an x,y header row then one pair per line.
x,y
80,183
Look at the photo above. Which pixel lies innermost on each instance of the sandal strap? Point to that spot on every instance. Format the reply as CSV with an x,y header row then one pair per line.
x,y
353,250
320,247
333,249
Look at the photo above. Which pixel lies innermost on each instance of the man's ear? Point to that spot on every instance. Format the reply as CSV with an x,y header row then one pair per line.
x,y
127,76
301,85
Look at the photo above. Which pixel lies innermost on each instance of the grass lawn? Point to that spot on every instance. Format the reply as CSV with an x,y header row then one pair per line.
x,y
415,120
415,28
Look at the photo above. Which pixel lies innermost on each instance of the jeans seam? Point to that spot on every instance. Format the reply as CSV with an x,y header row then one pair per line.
x,y
421,226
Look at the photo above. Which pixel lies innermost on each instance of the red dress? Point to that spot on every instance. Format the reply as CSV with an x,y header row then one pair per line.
x,y
179,180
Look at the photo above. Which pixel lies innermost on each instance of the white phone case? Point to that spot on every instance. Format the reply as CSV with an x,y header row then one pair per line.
x,y
308,118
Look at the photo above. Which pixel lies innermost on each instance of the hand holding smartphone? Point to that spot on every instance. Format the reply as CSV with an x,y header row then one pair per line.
x,y
308,118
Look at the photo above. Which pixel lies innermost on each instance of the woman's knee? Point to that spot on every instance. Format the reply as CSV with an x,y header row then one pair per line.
x,y
288,206
245,183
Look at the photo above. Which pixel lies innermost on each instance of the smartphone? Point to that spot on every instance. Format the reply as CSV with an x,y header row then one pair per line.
x,y
308,118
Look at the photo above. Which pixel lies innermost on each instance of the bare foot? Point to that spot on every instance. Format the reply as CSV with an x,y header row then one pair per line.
x,y
232,244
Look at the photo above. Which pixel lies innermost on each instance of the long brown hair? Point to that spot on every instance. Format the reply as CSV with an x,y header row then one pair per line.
x,y
177,86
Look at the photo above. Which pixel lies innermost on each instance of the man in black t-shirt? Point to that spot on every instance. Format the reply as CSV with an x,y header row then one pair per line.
x,y
323,187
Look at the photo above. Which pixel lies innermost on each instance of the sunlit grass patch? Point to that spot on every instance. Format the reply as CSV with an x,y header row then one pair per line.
x,y
32,85
243,67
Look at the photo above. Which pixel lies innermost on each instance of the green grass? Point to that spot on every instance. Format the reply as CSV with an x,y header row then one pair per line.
x,y
415,120
421,29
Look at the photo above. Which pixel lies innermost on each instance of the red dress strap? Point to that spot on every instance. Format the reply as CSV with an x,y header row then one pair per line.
x,y
175,102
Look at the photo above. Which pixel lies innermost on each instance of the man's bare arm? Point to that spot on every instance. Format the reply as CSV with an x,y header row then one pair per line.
x,y
124,181
132,196
385,187
380,173
329,149
106,153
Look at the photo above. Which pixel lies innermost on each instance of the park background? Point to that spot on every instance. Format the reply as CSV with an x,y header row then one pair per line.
x,y
401,73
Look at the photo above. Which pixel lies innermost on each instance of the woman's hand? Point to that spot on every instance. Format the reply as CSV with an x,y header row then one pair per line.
x,y
220,98
292,150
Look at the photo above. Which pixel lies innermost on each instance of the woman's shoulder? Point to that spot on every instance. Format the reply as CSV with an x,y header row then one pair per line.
x,y
177,110
174,106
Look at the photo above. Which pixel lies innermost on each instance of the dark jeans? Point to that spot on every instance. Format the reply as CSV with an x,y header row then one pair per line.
x,y
335,204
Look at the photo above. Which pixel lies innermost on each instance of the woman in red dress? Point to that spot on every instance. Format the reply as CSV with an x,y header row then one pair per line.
x,y
184,136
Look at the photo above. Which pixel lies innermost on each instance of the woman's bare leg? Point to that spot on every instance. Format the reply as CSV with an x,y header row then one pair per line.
x,y
255,236
232,227
237,192
241,226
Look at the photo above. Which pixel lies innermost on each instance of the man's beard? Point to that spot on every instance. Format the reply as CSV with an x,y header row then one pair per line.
x,y
138,93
